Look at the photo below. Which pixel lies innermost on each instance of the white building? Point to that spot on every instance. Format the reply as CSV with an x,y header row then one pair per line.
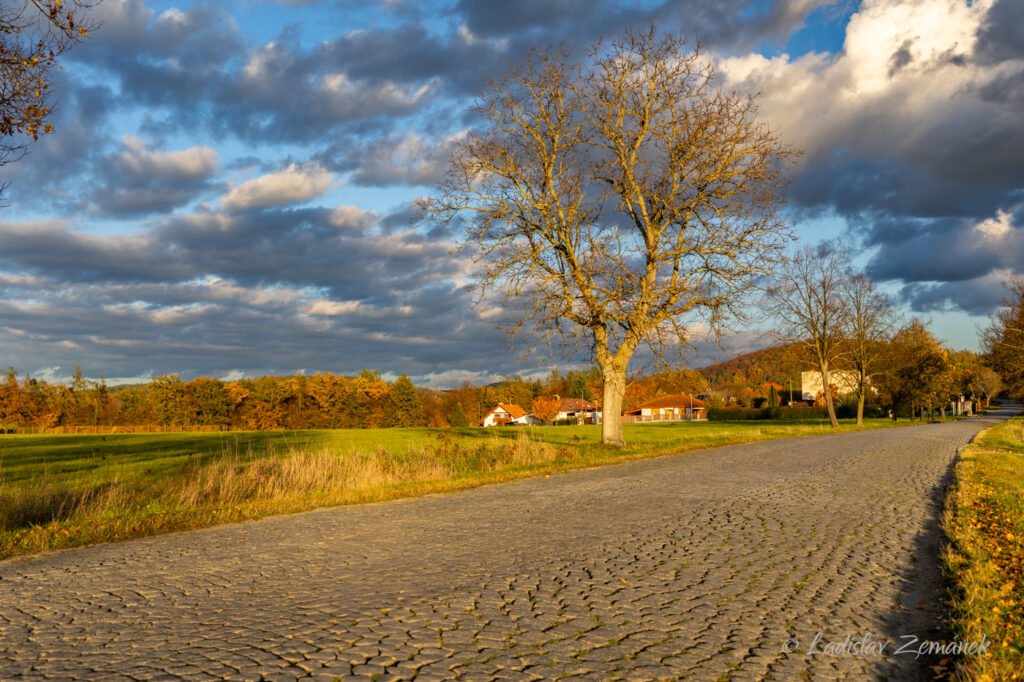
x,y
678,407
582,411
509,414
844,381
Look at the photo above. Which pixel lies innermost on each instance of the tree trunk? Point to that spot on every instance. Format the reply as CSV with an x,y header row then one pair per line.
x,y
829,403
614,391
860,409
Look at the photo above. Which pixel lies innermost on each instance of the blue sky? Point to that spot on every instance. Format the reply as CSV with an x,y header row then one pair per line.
x,y
229,188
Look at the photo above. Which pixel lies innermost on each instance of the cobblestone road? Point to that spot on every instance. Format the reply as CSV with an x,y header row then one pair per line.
x,y
699,566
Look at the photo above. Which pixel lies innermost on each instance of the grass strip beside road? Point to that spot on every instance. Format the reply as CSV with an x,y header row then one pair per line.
x,y
66,491
984,520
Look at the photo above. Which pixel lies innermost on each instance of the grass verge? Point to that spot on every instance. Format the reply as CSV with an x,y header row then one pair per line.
x,y
66,491
984,520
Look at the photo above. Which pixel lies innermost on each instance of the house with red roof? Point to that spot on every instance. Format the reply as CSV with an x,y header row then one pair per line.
x,y
578,409
509,414
678,407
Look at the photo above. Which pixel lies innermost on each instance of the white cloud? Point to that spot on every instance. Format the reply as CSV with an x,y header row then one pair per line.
x,y
331,308
325,307
357,97
904,71
409,159
352,216
194,163
996,228
295,184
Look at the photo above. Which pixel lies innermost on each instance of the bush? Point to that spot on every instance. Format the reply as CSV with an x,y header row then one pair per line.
x,y
800,413
846,407
717,414
784,414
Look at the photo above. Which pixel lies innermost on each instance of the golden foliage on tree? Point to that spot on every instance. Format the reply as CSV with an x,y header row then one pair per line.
x,y
1003,339
918,376
33,34
545,408
610,202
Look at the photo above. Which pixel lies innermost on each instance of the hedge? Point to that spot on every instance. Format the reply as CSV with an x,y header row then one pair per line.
x,y
782,413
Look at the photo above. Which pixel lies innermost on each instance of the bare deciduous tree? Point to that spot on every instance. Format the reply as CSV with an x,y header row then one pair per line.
x,y
608,203
808,306
871,321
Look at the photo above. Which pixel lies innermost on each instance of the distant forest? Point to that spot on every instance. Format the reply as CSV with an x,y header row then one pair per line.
x,y
326,400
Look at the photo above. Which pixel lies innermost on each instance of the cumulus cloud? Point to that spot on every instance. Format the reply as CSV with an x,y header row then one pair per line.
x,y
407,159
912,132
952,250
138,181
978,296
904,81
353,217
194,163
293,185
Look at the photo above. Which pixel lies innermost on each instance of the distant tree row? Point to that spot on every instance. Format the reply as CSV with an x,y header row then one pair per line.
x,y
911,372
297,402
323,400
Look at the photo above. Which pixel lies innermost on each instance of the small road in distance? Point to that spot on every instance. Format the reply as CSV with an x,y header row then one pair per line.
x,y
708,565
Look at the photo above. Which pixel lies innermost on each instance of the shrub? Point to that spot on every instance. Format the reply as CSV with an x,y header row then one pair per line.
x,y
737,414
784,414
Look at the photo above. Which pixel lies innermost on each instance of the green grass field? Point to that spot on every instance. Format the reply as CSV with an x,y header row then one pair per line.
x,y
64,491
985,560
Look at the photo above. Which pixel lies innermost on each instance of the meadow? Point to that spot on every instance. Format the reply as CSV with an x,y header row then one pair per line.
x,y
59,491
984,520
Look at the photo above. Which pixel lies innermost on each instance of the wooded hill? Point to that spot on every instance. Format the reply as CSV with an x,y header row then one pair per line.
x,y
777,364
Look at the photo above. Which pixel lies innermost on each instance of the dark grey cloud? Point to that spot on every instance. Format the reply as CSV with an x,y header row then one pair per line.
x,y
725,24
947,250
978,296
274,289
901,57
999,37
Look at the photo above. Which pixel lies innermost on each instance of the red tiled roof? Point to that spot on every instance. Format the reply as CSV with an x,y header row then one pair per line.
x,y
575,405
513,410
679,400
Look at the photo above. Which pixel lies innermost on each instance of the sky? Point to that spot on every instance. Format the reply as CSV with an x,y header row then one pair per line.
x,y
231,185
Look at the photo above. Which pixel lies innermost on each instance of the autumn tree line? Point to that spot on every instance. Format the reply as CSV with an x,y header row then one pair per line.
x,y
320,401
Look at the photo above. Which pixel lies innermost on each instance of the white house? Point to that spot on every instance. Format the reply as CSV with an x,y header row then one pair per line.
x,y
583,411
679,407
844,381
509,414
